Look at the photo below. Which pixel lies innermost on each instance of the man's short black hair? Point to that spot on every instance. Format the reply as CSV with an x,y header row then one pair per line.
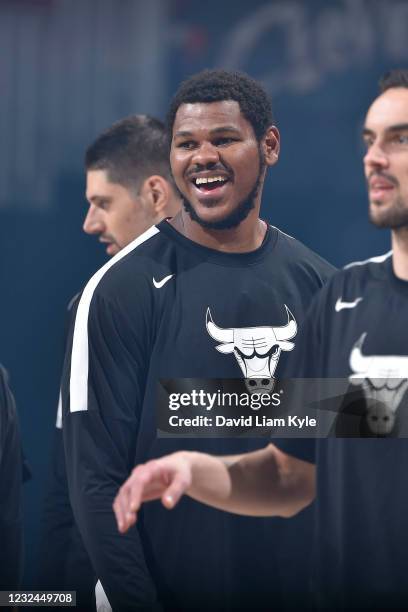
x,y
393,78
218,85
130,151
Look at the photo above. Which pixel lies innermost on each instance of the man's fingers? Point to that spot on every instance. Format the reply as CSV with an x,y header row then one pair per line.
x,y
117,508
176,490
144,484
166,478
124,517
141,486
130,520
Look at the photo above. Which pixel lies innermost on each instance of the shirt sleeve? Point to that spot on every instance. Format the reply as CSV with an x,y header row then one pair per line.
x,y
63,561
57,520
11,537
102,395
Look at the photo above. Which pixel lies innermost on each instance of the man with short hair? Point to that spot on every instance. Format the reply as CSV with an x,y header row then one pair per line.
x,y
129,185
149,319
129,188
357,330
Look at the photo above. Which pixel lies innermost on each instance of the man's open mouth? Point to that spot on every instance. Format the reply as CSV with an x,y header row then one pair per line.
x,y
209,183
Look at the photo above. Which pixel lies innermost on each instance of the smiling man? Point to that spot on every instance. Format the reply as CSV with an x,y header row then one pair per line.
x,y
356,329
226,191
148,321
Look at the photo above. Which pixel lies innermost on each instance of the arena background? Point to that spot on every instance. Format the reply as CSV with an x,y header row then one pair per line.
x,y
68,69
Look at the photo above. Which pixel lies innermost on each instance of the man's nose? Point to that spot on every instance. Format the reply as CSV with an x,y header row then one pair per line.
x,y
375,157
206,155
93,223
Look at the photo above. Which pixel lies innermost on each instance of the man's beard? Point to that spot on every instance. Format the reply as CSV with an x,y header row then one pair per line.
x,y
241,211
394,217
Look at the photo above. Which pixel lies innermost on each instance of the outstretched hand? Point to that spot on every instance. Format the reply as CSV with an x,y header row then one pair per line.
x,y
167,478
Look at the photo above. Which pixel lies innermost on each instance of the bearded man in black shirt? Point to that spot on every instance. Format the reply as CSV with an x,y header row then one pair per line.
x,y
158,312
356,329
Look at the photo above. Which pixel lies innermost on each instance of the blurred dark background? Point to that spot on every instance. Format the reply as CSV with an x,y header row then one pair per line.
x,y
68,69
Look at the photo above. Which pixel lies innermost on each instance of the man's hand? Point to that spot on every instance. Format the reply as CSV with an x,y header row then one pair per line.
x,y
167,479
266,482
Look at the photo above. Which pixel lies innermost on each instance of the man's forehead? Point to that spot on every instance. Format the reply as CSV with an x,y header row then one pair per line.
x,y
208,115
97,177
388,110
99,185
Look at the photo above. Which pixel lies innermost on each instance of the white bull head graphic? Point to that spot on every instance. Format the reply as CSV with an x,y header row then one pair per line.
x,y
384,379
257,349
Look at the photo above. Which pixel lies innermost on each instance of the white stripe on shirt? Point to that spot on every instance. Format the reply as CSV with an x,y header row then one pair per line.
x,y
377,259
78,386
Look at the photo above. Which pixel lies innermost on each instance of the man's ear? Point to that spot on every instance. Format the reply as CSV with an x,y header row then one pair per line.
x,y
156,192
270,144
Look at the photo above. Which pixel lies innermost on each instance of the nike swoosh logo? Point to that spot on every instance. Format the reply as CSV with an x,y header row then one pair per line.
x,y
160,284
340,304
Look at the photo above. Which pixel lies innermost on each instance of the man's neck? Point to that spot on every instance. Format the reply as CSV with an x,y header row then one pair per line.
x,y
246,237
399,239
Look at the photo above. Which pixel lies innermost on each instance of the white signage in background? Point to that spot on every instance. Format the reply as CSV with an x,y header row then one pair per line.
x,y
68,70
315,44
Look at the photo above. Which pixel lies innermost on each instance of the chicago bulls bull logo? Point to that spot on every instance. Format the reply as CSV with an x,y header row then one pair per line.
x,y
384,380
256,349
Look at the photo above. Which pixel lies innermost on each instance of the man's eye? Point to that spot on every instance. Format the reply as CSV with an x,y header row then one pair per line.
x,y
402,139
187,144
367,142
223,141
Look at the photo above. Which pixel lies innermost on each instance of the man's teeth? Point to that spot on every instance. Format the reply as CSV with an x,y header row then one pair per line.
x,y
209,179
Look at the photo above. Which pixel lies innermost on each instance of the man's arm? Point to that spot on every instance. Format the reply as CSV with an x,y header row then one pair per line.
x,y
63,561
267,482
56,522
10,491
101,413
